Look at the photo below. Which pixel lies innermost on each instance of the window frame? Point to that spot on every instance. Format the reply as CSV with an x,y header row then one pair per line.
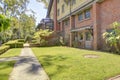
x,y
81,15
87,14
58,12
80,36
63,8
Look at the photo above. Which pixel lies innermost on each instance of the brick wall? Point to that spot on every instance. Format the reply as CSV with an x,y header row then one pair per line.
x,y
109,12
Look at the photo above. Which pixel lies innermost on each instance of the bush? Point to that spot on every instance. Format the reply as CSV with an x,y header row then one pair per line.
x,y
21,40
112,37
14,44
4,48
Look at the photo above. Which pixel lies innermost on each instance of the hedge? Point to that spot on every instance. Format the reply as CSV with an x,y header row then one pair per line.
x,y
21,40
4,48
15,44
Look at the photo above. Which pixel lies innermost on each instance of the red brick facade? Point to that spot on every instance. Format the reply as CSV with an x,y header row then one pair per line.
x,y
102,14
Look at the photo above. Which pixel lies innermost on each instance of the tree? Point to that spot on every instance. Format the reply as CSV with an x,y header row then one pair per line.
x,y
4,25
113,37
27,23
13,7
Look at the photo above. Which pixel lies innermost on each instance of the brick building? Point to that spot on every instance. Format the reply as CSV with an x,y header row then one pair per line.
x,y
82,22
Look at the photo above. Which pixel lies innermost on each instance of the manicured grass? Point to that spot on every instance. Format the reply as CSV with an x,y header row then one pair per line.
x,y
62,63
11,53
5,69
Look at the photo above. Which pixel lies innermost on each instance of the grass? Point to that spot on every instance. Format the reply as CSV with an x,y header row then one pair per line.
x,y
5,69
63,63
11,53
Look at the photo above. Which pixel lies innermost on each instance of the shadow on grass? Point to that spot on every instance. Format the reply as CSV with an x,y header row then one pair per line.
x,y
5,68
4,65
50,61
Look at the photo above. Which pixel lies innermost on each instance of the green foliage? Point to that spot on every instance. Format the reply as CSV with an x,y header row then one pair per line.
x,y
4,23
14,44
42,36
4,48
28,38
21,40
113,37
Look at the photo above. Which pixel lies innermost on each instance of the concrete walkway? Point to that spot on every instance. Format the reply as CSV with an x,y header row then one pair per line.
x,y
28,67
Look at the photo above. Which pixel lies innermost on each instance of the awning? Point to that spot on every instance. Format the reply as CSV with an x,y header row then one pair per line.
x,y
82,28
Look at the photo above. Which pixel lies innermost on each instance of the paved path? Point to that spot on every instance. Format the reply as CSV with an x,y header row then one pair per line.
x,y
28,67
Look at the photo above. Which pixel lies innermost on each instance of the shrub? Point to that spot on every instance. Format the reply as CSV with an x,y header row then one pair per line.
x,y
43,36
4,48
21,40
113,37
15,44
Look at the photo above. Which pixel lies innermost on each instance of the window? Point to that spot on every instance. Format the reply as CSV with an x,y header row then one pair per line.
x,y
87,14
88,36
73,2
80,16
63,8
80,36
58,12
66,22
58,1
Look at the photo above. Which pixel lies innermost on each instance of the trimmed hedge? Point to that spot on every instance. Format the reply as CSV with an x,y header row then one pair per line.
x,y
14,44
21,40
4,48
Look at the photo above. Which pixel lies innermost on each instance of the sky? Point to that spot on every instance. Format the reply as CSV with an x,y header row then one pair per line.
x,y
38,8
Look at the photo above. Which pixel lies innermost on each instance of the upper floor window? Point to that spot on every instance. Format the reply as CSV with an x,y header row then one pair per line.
x,y
66,22
58,1
58,12
80,16
73,2
87,14
63,8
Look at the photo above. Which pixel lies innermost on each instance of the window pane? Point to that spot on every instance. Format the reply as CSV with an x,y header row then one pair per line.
x,y
87,14
80,17
62,8
80,36
88,36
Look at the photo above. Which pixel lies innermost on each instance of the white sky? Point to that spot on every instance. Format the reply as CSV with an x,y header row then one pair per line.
x,y
39,9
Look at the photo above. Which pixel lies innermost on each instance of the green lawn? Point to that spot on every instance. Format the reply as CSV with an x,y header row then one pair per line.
x,y
62,63
5,69
11,53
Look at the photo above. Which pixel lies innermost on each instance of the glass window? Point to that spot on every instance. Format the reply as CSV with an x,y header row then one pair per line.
x,y
80,36
57,1
73,2
58,12
66,22
80,16
62,8
87,14
88,36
